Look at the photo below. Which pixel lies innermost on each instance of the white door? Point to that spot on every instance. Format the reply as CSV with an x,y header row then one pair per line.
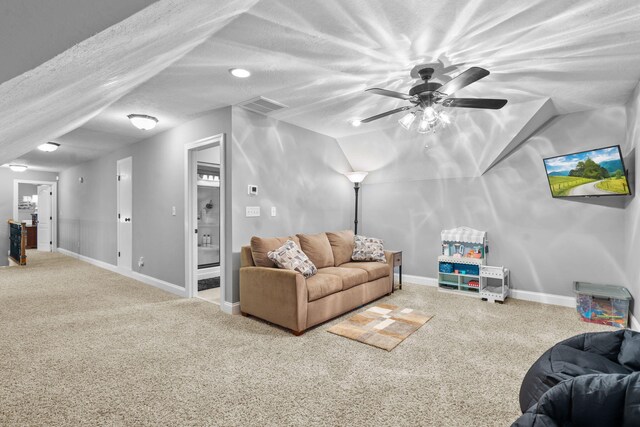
x,y
44,218
125,211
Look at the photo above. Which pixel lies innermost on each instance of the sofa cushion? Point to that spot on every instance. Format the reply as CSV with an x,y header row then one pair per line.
x,y
375,270
317,248
261,246
341,245
321,285
350,276
368,249
290,257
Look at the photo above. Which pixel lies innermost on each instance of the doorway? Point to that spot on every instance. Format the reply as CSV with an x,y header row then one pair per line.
x,y
36,204
205,219
208,216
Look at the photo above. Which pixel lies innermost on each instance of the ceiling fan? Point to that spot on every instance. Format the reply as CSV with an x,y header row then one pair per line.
x,y
428,97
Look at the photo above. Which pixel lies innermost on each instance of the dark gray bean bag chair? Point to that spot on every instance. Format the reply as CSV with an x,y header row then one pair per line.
x,y
598,400
593,353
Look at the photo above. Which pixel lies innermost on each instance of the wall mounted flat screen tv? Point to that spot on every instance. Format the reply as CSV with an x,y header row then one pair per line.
x,y
592,173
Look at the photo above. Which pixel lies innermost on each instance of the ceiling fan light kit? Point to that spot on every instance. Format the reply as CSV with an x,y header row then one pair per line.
x,y
429,100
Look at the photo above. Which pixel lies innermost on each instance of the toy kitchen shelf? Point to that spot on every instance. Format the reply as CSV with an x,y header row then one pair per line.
x,y
467,278
463,252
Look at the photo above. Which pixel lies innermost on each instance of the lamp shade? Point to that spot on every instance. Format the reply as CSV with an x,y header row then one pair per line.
x,y
356,177
407,120
142,121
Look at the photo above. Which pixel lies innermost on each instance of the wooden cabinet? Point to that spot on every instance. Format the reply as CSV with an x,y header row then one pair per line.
x,y
32,237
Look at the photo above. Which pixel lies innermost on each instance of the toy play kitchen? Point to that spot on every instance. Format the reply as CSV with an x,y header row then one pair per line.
x,y
462,266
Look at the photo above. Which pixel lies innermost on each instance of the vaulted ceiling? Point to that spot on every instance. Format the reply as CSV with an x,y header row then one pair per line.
x,y
171,60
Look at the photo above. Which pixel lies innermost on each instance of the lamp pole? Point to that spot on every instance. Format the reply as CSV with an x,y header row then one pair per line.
x,y
356,187
356,178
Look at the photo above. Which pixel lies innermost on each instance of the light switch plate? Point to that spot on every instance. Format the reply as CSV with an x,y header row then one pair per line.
x,y
252,190
273,211
252,211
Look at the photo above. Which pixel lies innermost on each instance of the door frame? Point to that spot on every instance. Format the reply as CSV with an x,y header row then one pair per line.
x,y
54,206
190,213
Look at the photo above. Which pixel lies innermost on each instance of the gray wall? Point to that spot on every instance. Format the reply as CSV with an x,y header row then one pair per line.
x,y
632,217
6,202
547,243
87,211
298,171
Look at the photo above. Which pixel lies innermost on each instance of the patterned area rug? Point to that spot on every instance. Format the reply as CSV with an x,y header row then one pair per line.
x,y
383,326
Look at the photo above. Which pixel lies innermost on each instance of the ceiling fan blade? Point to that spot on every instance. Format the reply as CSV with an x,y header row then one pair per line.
x,y
493,104
385,92
473,74
388,113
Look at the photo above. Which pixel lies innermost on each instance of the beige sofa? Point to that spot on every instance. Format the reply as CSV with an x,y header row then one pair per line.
x,y
286,298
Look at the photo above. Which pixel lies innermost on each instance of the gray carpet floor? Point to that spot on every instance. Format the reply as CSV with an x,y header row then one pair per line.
x,y
83,346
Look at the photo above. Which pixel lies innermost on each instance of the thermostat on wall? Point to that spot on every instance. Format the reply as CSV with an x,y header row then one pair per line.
x,y
253,190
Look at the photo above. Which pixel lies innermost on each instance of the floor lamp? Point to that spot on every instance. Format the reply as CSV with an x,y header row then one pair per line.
x,y
356,178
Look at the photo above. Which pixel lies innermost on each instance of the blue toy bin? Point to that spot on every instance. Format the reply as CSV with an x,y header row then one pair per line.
x,y
446,267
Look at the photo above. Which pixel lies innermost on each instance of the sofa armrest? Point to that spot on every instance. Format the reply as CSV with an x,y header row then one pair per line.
x,y
276,295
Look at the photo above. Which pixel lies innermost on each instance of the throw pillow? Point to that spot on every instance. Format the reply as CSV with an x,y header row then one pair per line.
x,y
368,249
291,257
261,246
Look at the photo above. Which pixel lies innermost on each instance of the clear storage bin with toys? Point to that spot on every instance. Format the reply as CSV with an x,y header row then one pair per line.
x,y
603,304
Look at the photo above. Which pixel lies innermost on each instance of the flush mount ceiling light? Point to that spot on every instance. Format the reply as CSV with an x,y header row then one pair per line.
x,y
240,73
142,121
48,147
17,167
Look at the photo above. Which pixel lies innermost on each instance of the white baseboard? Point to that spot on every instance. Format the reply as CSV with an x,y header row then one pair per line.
x,y
230,308
160,284
418,280
515,293
544,298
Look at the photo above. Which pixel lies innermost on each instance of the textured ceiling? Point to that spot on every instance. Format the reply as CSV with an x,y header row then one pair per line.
x,y
34,31
171,60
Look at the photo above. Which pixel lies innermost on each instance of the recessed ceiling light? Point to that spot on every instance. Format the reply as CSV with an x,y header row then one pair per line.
x,y
142,121
240,73
355,122
18,168
49,147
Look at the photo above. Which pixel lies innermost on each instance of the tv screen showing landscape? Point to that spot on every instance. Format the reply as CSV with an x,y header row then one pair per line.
x,y
590,173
